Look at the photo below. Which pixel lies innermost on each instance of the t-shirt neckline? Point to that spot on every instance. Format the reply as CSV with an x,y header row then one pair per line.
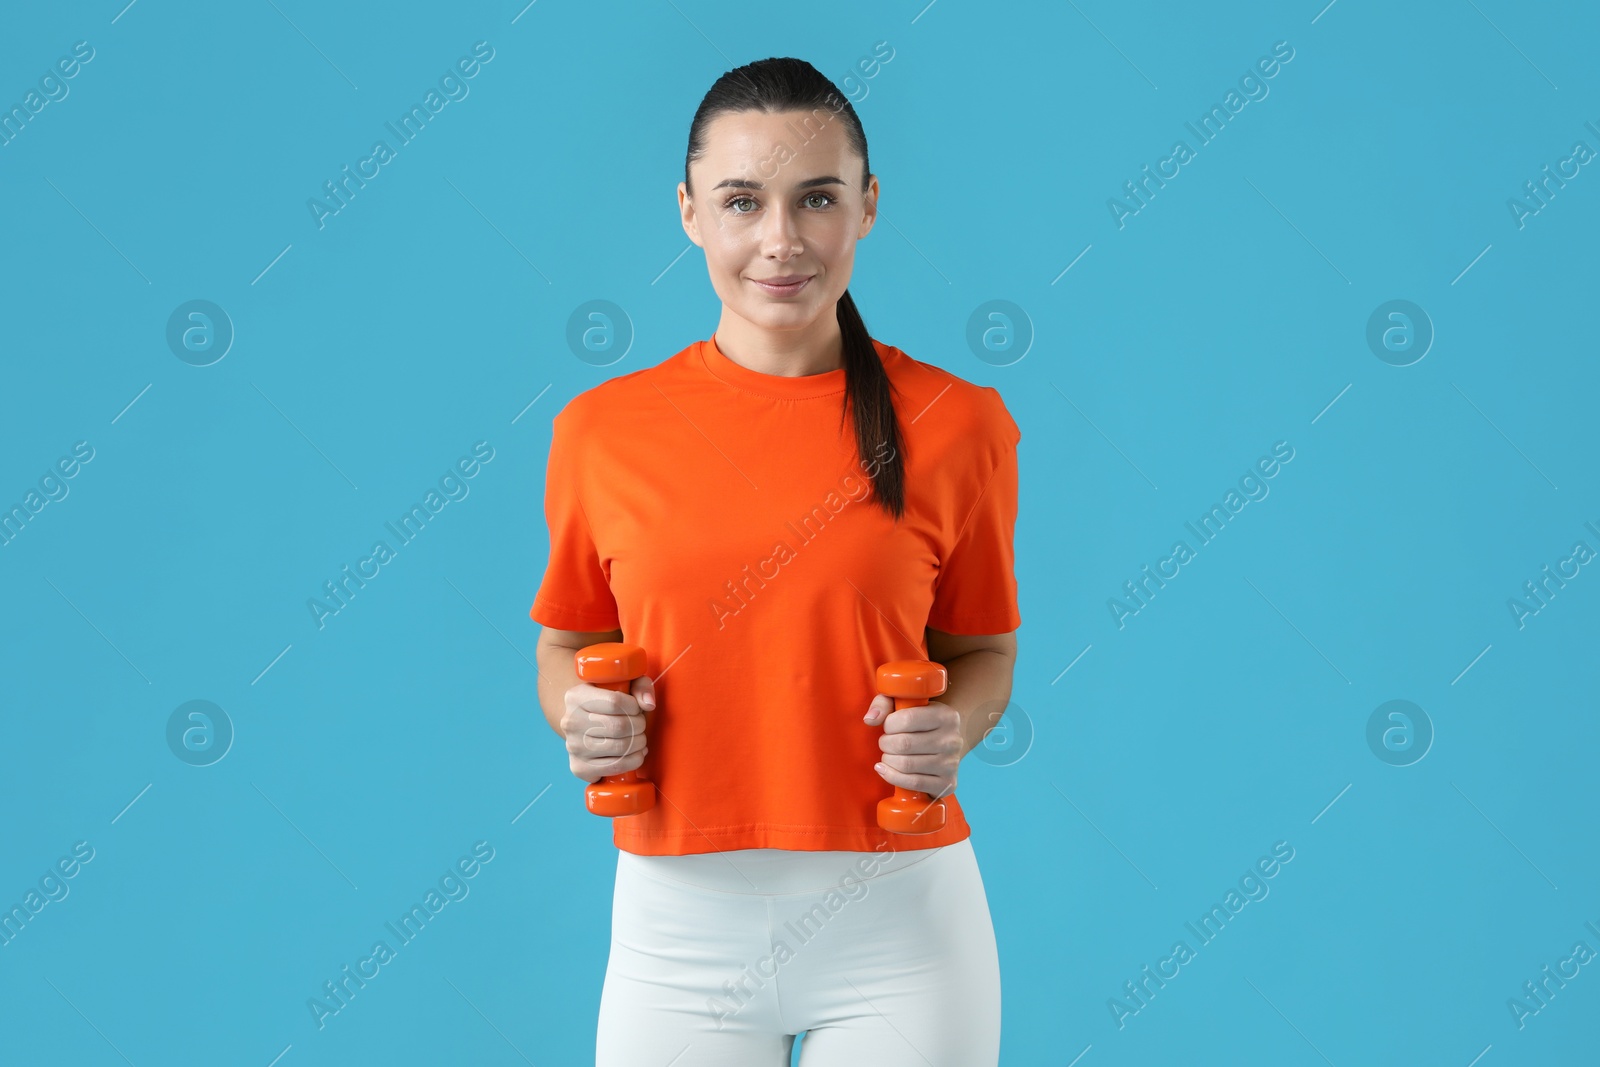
x,y
778,386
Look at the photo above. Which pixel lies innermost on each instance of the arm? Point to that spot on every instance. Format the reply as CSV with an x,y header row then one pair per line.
x,y
980,669
604,730
557,672
922,746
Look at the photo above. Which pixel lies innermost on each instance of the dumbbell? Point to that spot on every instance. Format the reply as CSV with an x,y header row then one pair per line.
x,y
911,682
614,665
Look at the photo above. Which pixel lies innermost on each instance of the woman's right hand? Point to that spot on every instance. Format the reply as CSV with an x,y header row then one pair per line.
x,y
605,729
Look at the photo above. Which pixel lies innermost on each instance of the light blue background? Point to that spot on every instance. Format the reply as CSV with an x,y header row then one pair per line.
x,y
429,314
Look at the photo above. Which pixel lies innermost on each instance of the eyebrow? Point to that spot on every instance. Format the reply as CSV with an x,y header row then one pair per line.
x,y
744,183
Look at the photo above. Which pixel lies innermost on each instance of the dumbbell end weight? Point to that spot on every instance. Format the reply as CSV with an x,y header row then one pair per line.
x,y
620,794
911,812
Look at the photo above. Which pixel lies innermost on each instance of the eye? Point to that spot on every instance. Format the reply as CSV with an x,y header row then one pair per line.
x,y
731,203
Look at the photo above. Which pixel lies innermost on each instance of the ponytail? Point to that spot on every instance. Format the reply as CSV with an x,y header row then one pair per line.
x,y
867,389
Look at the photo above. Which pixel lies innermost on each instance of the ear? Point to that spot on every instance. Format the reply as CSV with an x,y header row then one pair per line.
x,y
691,219
869,206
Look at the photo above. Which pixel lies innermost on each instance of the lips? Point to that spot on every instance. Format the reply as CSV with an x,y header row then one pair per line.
x,y
786,285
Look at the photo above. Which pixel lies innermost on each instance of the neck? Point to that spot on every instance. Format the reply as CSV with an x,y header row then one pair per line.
x,y
813,349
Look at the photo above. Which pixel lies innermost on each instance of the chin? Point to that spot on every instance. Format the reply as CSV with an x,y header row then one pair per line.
x,y
759,308
782,317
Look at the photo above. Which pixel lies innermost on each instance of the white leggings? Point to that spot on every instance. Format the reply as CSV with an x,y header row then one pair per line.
x,y
719,959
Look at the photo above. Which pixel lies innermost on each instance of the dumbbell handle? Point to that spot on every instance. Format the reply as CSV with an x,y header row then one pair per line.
x,y
911,683
614,665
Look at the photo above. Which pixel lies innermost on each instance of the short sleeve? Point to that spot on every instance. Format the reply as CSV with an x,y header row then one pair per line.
x,y
976,590
575,594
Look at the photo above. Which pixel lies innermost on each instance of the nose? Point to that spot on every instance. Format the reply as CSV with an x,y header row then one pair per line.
x,y
780,238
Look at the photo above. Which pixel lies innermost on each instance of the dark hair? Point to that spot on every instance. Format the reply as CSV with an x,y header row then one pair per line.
x,y
778,85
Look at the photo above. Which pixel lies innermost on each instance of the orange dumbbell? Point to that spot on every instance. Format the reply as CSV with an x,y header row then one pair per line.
x,y
614,665
911,682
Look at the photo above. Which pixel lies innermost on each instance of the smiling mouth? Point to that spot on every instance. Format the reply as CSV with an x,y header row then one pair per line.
x,y
788,289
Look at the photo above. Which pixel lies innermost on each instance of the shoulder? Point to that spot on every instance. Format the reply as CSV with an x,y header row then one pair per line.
x,y
617,396
973,411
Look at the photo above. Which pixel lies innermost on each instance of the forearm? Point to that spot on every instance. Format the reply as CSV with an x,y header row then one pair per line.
x,y
557,673
980,689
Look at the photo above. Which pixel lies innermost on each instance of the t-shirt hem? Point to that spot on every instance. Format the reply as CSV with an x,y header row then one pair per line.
x,y
561,618
795,838
975,625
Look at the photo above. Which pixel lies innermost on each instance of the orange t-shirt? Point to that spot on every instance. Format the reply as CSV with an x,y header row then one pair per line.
x,y
721,518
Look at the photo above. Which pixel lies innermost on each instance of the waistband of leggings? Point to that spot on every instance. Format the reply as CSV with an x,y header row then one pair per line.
x,y
783,872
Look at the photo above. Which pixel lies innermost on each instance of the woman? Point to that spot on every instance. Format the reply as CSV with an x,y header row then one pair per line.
x,y
768,555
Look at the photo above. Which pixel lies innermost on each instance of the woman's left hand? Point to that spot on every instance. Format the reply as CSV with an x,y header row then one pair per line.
x,y
921,745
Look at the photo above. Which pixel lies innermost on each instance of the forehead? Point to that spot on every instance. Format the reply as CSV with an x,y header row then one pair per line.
x,y
784,147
